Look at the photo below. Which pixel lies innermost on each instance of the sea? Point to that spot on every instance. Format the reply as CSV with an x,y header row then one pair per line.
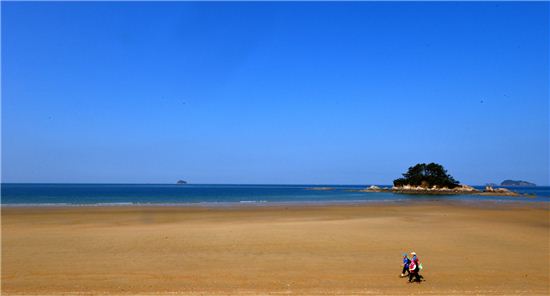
x,y
14,195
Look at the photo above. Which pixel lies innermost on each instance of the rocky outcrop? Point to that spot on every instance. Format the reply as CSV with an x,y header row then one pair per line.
x,y
466,188
498,192
460,189
372,188
489,188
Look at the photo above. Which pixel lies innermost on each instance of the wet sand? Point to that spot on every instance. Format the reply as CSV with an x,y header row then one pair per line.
x,y
303,250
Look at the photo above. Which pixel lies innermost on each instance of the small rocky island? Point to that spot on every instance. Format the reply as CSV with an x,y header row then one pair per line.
x,y
433,178
181,182
516,183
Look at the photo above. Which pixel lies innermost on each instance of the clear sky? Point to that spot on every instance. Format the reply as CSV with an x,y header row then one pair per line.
x,y
287,93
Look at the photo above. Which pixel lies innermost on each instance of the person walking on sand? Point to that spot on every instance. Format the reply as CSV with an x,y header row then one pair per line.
x,y
406,262
413,256
414,269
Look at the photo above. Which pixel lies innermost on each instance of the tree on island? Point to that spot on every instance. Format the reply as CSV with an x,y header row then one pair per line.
x,y
427,175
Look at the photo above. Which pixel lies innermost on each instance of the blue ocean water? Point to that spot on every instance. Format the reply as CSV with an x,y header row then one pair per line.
x,y
163,194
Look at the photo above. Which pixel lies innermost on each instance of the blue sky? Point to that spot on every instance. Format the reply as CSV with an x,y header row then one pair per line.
x,y
287,93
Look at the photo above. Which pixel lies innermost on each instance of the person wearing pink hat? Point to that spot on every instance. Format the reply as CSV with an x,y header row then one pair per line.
x,y
414,269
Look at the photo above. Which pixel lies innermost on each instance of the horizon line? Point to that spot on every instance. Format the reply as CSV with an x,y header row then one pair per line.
x,y
272,184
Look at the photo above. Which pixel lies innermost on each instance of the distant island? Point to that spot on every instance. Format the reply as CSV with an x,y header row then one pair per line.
x,y
181,182
516,183
433,178
430,175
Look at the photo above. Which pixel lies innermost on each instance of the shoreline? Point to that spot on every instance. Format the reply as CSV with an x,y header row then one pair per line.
x,y
254,204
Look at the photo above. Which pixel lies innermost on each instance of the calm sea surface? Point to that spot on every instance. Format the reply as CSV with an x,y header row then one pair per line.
x,y
159,194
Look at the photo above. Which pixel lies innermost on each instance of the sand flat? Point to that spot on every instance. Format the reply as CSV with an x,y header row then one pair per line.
x,y
302,250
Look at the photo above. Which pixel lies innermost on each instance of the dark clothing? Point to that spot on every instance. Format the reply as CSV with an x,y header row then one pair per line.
x,y
406,262
415,275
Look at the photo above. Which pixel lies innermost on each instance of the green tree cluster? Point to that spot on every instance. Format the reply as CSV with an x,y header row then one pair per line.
x,y
427,175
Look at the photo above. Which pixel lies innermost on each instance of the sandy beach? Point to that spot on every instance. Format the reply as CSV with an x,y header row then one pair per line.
x,y
484,249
